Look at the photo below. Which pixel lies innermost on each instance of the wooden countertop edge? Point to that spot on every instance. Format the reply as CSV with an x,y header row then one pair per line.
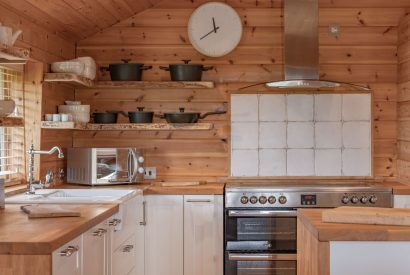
x,y
45,248
326,232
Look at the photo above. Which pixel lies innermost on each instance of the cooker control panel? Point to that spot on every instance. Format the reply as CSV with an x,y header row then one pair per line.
x,y
359,199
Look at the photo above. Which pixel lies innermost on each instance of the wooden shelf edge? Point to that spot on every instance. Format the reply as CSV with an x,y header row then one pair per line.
x,y
11,122
126,126
154,84
13,54
68,79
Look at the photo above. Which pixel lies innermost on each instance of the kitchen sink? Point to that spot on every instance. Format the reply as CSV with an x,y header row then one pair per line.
x,y
72,196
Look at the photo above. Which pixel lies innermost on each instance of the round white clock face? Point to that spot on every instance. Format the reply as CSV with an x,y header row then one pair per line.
x,y
215,29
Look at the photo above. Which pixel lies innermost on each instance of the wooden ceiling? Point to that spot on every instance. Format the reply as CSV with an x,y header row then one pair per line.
x,y
76,19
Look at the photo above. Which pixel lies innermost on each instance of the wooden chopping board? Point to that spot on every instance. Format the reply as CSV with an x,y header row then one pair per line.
x,y
367,215
48,211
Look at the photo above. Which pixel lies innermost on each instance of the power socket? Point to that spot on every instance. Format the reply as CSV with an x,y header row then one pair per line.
x,y
150,173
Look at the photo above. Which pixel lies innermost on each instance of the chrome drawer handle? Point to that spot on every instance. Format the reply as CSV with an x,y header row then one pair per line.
x,y
128,248
69,251
144,206
198,200
99,232
114,222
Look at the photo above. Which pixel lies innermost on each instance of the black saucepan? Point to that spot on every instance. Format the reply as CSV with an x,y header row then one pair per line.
x,y
182,117
140,116
185,71
126,71
108,117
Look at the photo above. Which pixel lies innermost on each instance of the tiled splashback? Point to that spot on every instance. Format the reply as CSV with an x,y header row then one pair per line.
x,y
301,135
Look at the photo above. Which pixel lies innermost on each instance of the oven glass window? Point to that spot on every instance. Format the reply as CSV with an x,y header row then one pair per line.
x,y
266,229
261,267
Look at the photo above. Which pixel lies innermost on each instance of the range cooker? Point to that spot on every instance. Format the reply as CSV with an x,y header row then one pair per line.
x,y
260,220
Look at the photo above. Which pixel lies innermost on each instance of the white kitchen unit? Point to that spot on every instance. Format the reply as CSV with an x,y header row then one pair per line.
x,y
184,235
95,250
67,260
164,235
203,235
401,201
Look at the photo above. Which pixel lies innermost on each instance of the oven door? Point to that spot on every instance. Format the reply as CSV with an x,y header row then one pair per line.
x,y
260,264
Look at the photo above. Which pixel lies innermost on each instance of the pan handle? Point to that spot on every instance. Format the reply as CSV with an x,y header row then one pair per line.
x,y
164,68
207,68
146,68
212,113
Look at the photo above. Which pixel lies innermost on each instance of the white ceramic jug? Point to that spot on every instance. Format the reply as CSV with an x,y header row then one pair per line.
x,y
7,36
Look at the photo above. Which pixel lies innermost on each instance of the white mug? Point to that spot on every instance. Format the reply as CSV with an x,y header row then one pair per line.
x,y
48,117
64,117
56,117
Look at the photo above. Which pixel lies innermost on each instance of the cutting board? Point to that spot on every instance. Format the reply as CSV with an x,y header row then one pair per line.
x,y
367,215
181,184
48,211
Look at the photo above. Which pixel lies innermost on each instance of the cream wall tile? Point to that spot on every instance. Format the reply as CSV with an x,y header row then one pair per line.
x,y
328,135
272,135
300,107
244,108
244,135
356,107
300,135
328,162
356,162
356,135
300,162
328,107
244,163
272,107
272,162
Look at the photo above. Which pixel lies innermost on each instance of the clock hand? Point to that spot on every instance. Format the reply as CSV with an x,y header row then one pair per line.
x,y
214,30
213,22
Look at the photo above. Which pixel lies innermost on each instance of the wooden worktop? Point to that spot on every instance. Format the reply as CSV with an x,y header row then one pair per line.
x,y
19,235
312,220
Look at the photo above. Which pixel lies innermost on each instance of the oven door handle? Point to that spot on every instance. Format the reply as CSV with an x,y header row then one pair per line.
x,y
262,213
261,257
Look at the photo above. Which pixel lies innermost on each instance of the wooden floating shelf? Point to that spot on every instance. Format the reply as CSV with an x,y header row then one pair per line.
x,y
126,126
13,55
154,84
11,122
68,79
77,81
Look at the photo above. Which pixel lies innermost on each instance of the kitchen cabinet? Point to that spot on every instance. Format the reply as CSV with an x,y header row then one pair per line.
x,y
95,250
184,234
203,235
164,235
67,260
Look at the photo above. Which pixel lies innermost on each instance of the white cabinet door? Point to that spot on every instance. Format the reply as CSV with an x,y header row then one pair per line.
x,y
95,250
164,235
123,258
67,260
203,235
140,236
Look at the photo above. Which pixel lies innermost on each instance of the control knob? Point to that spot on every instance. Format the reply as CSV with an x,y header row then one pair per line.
x,y
373,199
253,199
355,199
271,199
244,199
262,199
364,199
345,199
282,199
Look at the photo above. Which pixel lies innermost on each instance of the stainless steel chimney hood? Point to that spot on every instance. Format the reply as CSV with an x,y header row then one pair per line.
x,y
301,50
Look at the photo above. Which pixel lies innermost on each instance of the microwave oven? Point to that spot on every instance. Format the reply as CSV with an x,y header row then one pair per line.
x,y
105,166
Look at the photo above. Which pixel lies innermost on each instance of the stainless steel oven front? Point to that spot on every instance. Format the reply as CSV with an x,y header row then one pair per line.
x,y
260,241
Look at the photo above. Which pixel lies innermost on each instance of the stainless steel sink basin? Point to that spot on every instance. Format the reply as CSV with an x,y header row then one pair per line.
x,y
72,196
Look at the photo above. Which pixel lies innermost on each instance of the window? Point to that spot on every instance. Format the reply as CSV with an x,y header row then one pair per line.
x,y
12,157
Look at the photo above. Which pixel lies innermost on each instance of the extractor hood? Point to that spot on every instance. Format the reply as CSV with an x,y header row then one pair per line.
x,y
301,50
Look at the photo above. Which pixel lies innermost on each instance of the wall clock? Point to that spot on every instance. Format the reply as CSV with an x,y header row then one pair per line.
x,y
214,29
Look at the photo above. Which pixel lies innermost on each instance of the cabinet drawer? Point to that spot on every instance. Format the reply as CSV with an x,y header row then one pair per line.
x,y
123,258
127,215
66,260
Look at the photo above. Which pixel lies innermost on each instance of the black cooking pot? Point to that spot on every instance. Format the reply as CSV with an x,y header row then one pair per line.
x,y
182,117
185,71
126,71
109,117
140,116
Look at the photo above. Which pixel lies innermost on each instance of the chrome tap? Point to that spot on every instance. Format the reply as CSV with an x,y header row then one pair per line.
x,y
30,185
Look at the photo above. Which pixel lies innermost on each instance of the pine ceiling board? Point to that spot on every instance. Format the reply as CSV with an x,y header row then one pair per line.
x,y
93,11
118,8
140,5
38,17
76,23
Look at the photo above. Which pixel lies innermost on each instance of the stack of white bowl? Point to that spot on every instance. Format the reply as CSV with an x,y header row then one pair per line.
x,y
79,113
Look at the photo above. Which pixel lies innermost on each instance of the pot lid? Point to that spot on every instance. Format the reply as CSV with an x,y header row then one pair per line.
x,y
186,63
182,112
